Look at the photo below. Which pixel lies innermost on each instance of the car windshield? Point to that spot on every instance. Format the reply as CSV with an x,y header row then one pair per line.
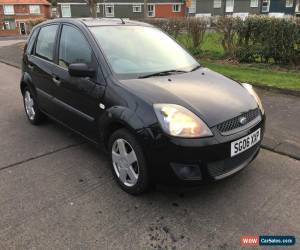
x,y
138,51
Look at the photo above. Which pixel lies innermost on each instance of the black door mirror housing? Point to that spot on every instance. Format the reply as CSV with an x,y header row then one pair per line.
x,y
80,70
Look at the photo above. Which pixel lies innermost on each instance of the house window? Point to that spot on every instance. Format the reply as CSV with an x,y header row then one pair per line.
x,y
9,10
254,3
9,25
151,10
109,11
65,10
289,3
229,5
98,9
6,25
34,9
217,4
176,7
265,6
137,8
298,6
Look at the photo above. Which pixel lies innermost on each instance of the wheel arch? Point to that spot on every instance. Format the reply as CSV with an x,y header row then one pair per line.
x,y
23,85
115,118
26,81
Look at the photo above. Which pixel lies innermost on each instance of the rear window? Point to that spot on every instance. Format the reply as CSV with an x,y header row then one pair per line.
x,y
45,42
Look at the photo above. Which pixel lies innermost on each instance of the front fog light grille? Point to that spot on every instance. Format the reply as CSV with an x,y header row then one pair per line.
x,y
187,171
236,121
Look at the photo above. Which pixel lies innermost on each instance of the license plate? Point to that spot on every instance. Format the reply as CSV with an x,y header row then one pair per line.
x,y
245,143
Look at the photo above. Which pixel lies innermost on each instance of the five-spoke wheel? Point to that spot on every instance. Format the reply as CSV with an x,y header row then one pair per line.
x,y
125,162
33,113
29,105
128,162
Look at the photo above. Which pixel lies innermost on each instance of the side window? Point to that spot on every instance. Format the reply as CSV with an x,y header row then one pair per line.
x,y
31,41
45,42
73,48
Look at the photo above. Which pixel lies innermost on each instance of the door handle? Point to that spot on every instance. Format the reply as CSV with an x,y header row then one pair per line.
x,y
56,80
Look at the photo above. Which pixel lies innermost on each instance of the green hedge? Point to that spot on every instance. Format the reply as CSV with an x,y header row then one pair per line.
x,y
255,39
268,39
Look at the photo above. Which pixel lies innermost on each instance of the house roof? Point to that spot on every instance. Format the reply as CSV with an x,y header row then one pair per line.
x,y
73,1
44,2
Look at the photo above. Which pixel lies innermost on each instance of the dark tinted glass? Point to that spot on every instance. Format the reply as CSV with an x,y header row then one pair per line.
x,y
73,47
45,42
31,41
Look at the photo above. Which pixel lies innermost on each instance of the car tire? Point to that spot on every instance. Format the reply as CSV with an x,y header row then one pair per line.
x,y
128,162
32,111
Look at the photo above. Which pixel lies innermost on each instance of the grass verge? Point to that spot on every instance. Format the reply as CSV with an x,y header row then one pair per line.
x,y
257,75
210,48
211,52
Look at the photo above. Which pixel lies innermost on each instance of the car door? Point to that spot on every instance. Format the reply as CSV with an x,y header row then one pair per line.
x,y
77,98
40,65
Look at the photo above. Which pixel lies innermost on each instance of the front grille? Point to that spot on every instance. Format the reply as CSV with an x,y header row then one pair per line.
x,y
235,123
220,168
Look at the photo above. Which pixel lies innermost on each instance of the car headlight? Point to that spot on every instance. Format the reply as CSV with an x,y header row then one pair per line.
x,y
253,93
178,121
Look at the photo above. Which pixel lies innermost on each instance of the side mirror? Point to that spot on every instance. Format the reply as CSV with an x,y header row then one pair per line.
x,y
80,70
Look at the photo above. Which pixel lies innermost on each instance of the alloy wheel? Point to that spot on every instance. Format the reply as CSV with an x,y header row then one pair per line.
x,y
29,105
125,162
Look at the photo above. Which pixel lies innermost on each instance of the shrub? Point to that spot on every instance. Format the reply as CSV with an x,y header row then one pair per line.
x,y
158,22
245,54
226,25
296,60
255,39
268,39
196,28
175,26
172,26
32,23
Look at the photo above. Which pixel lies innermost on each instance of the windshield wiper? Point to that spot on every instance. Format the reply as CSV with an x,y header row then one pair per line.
x,y
197,67
164,73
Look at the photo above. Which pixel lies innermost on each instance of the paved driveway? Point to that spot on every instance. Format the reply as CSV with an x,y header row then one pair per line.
x,y
56,192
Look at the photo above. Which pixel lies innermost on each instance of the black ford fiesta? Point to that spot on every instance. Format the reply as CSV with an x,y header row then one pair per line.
x,y
128,86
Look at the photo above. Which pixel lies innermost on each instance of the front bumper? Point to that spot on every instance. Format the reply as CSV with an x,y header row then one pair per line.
x,y
180,160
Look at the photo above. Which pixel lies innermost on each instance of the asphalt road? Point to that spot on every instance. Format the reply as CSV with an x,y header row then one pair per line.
x,y
11,51
57,192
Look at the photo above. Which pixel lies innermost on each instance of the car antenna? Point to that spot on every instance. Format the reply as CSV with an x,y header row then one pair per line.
x,y
122,20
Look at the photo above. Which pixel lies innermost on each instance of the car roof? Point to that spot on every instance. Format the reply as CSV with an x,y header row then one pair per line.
x,y
93,22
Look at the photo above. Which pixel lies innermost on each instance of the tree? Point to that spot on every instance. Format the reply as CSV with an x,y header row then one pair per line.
x,y
93,7
145,8
53,2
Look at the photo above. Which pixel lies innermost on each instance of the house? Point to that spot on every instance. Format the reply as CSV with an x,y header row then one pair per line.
x,y
14,15
177,8
240,8
278,8
243,8
123,8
